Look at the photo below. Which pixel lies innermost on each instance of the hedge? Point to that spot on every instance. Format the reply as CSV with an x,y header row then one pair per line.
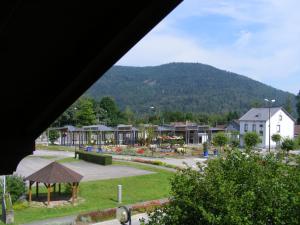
x,y
94,157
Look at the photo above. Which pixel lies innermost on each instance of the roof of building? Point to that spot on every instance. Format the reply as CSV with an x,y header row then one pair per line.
x,y
262,114
55,173
98,127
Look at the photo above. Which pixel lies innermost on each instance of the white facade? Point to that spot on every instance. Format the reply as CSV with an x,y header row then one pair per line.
x,y
258,120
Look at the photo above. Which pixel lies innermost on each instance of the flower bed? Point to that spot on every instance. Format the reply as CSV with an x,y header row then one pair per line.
x,y
98,216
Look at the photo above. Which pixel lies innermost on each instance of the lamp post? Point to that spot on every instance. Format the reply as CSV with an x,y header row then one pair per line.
x,y
151,108
75,108
269,105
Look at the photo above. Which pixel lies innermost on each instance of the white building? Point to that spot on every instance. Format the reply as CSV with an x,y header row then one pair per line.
x,y
257,119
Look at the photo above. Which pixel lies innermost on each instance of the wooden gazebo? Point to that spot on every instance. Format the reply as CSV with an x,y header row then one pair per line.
x,y
52,174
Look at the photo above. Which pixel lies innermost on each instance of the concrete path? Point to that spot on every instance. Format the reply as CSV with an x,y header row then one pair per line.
x,y
134,220
90,171
67,220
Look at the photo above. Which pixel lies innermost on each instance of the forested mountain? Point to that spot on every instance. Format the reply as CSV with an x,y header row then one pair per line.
x,y
187,87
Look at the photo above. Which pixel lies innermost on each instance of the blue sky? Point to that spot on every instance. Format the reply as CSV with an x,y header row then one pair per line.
x,y
258,39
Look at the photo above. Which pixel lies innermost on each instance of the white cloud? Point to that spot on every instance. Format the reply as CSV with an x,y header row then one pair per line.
x,y
269,53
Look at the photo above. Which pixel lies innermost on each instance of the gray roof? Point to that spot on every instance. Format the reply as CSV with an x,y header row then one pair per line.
x,y
261,114
98,127
165,128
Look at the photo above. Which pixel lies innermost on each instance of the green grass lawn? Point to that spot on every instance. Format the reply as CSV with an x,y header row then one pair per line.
x,y
103,194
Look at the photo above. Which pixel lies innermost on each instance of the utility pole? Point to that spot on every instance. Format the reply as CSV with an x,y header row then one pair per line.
x,y
269,105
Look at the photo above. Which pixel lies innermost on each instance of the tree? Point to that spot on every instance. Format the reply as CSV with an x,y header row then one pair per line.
x,y
129,115
276,138
53,135
298,107
287,145
251,139
112,113
15,186
84,114
237,190
288,105
220,140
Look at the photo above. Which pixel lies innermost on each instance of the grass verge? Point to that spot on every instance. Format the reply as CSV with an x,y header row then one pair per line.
x,y
102,194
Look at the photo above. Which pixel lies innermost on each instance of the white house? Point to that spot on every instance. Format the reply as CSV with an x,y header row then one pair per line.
x,y
257,119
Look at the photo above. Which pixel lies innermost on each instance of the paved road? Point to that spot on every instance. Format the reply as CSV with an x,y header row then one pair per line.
x,y
134,220
190,161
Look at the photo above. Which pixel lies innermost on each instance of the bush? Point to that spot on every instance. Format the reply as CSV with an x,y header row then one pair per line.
x,y
251,140
15,186
53,135
239,189
94,157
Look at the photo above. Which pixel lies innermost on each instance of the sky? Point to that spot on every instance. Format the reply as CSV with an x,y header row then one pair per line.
x,y
256,38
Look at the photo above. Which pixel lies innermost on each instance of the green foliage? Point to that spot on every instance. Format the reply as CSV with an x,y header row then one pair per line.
x,y
53,135
150,132
298,106
159,86
288,144
288,104
15,186
205,146
237,190
276,138
234,143
84,114
94,157
251,139
220,139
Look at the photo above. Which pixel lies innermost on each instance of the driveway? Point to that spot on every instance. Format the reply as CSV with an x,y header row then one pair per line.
x,y
90,171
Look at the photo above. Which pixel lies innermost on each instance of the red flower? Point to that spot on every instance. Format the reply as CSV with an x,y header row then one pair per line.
x,y
140,151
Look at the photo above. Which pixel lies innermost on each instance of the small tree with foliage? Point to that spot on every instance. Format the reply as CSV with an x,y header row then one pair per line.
x,y
15,186
53,135
287,145
251,139
220,140
276,138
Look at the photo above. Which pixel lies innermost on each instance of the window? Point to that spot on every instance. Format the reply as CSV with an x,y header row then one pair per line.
x,y
261,126
280,117
261,132
278,128
253,127
246,127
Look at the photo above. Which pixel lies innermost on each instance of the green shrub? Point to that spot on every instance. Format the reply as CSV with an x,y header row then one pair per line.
x,y
251,139
53,135
15,186
94,157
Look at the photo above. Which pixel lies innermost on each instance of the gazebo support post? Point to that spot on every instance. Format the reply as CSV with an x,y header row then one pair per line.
x,y
30,192
76,193
54,185
73,193
59,188
37,189
48,196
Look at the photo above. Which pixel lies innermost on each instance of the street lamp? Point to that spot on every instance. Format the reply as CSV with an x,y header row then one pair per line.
x,y
269,105
151,108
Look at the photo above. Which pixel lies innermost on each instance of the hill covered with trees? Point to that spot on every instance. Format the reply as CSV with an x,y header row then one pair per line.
x,y
185,87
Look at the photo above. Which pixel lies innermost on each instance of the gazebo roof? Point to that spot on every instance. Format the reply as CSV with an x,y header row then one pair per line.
x,y
55,173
